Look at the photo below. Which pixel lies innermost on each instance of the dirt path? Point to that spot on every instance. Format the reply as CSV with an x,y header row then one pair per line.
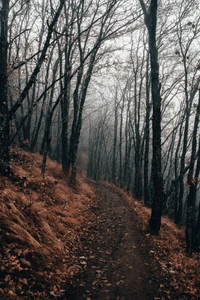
x,y
117,264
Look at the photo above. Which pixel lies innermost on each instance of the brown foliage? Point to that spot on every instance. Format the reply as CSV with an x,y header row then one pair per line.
x,y
40,223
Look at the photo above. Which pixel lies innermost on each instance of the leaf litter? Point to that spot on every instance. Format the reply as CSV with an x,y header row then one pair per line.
x,y
54,240
40,224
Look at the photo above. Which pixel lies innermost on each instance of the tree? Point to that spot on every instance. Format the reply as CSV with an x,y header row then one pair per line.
x,y
185,45
7,115
150,17
104,24
4,129
147,198
192,178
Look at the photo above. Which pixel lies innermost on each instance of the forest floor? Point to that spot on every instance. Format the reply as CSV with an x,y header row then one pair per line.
x,y
86,242
123,261
118,263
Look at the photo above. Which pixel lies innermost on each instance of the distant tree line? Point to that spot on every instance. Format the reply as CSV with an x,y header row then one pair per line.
x,y
147,140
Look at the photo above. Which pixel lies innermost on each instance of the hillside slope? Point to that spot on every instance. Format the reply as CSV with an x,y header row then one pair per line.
x,y
40,224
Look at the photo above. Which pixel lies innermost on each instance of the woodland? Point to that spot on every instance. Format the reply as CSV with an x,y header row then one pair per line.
x,y
111,85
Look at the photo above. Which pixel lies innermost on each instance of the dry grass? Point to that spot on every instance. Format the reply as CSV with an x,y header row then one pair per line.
x,y
40,224
181,271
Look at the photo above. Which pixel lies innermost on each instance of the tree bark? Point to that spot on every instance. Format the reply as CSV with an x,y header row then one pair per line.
x,y
115,140
147,199
151,24
7,116
192,182
4,129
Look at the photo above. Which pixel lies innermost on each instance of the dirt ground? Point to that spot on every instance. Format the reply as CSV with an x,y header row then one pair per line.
x,y
117,264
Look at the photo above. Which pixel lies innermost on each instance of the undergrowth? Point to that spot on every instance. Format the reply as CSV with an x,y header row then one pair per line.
x,y
40,223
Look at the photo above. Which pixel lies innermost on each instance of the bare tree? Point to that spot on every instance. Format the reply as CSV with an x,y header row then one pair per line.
x,y
150,17
8,116
192,178
4,122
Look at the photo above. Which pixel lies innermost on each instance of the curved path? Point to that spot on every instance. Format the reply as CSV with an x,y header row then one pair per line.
x,y
117,263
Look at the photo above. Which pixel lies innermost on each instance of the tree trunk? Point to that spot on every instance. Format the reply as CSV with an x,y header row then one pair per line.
x,y
147,199
115,141
192,182
151,23
197,233
66,99
4,123
47,133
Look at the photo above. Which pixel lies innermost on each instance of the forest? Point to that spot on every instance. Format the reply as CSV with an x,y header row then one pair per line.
x,y
111,85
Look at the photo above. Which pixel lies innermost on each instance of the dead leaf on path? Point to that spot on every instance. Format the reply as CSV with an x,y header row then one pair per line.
x,y
81,284
7,278
83,258
108,284
24,281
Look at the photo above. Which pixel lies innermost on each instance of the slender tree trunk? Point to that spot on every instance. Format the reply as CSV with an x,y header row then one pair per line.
x,y
121,183
151,23
47,134
192,182
127,147
115,140
4,123
147,199
197,232
36,131
178,205
66,99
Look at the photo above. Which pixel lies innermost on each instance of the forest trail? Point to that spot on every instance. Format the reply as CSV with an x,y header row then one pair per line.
x,y
117,263
87,241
